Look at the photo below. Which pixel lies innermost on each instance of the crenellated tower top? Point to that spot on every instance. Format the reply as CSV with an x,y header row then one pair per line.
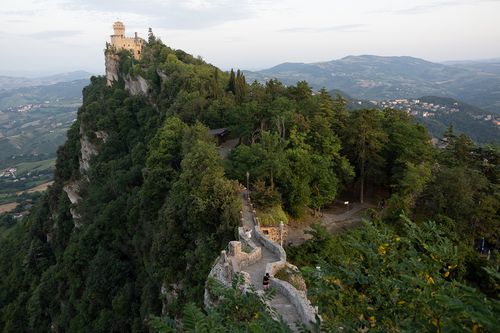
x,y
119,29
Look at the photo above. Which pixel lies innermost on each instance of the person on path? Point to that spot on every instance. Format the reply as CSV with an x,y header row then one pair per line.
x,y
265,282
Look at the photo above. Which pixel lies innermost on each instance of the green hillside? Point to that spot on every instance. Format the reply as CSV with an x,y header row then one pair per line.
x,y
46,165
156,204
476,123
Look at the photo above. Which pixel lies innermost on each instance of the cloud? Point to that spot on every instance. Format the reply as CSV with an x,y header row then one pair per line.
x,y
18,12
338,28
172,14
424,8
53,34
430,6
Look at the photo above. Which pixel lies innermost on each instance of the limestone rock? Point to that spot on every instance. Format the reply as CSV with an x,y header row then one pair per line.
x,y
88,149
112,63
136,85
71,190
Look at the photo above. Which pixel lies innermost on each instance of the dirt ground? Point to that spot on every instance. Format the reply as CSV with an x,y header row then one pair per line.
x,y
7,207
40,188
337,218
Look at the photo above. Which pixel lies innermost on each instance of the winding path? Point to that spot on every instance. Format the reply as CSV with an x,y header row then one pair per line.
x,y
279,303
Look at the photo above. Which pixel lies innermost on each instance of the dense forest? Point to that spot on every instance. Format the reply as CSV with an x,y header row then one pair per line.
x,y
158,204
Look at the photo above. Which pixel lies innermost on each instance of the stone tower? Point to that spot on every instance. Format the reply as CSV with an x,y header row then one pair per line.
x,y
120,42
119,29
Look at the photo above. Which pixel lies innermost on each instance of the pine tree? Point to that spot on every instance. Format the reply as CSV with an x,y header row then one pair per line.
x,y
151,37
367,140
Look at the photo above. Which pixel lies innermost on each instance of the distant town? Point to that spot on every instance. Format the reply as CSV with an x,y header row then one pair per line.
x,y
9,173
419,108
33,107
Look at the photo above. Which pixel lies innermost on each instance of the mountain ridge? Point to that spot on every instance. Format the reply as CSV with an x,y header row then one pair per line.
x,y
8,82
387,77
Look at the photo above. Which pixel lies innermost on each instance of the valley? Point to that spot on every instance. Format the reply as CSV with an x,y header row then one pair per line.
x,y
34,121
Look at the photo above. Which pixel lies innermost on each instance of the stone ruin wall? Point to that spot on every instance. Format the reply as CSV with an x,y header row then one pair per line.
x,y
274,233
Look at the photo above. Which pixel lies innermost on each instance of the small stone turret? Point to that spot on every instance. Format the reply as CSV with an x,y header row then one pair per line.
x,y
119,29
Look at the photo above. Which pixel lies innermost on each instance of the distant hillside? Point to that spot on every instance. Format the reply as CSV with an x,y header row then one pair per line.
x,y
475,122
34,120
10,82
438,113
374,77
442,112
62,92
486,67
352,102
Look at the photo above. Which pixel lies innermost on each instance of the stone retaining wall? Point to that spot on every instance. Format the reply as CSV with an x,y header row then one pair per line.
x,y
243,259
269,244
298,298
276,233
232,262
223,269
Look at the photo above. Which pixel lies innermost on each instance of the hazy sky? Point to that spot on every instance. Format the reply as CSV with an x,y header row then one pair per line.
x,y
62,35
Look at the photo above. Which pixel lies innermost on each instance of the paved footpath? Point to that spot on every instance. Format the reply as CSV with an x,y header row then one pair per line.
x,y
279,303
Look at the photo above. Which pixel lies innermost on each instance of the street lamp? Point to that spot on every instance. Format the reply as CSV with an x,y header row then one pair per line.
x,y
248,183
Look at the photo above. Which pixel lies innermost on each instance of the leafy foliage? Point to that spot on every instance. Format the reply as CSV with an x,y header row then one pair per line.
x,y
386,281
236,312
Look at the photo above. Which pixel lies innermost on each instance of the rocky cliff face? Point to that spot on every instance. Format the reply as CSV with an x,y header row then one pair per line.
x,y
88,148
72,190
112,63
87,151
136,86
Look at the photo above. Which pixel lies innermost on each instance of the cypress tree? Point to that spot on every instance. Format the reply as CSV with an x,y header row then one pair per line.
x,y
232,82
240,86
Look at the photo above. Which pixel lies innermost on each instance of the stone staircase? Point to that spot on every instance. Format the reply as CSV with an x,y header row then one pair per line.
x,y
265,256
279,302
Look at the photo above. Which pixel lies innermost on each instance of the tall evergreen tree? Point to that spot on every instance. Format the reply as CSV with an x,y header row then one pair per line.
x,y
232,82
367,140
240,87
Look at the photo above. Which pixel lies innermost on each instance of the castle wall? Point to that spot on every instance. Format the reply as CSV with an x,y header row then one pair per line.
x,y
274,233
128,43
